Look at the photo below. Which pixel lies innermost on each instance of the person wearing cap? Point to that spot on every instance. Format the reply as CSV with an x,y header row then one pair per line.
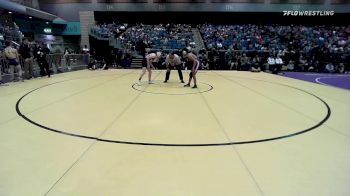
x,y
173,60
147,65
192,58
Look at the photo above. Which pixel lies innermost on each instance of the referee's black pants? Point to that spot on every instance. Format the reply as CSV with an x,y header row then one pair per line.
x,y
179,70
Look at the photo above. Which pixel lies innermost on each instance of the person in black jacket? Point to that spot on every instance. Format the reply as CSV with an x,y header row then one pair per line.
x,y
40,54
25,52
347,63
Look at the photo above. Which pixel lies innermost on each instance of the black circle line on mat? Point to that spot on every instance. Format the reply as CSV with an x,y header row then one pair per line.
x,y
210,88
179,145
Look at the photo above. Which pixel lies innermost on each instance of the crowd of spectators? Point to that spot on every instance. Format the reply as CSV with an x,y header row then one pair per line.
x,y
139,37
294,48
11,31
108,30
115,58
243,47
169,36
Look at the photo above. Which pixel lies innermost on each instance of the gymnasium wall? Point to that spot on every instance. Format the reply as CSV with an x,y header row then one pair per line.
x,y
69,9
217,18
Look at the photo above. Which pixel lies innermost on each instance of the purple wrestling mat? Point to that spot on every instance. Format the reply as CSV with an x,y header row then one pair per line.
x,y
335,80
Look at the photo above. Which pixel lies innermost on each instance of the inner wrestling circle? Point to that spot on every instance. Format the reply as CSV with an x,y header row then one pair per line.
x,y
171,88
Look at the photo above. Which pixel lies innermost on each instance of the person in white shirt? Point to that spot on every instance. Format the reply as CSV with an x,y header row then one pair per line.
x,y
173,60
147,64
279,63
271,63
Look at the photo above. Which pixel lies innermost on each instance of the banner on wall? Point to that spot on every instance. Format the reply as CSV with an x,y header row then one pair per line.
x,y
40,27
72,28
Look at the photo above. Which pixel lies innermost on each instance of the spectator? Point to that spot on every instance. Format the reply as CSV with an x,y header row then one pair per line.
x,y
109,59
329,68
66,55
255,66
85,52
1,82
279,63
340,68
255,63
271,61
92,61
234,64
347,64
56,57
290,66
317,66
25,52
245,62
302,66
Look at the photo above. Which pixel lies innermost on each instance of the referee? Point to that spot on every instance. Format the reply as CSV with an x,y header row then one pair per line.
x,y
173,60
